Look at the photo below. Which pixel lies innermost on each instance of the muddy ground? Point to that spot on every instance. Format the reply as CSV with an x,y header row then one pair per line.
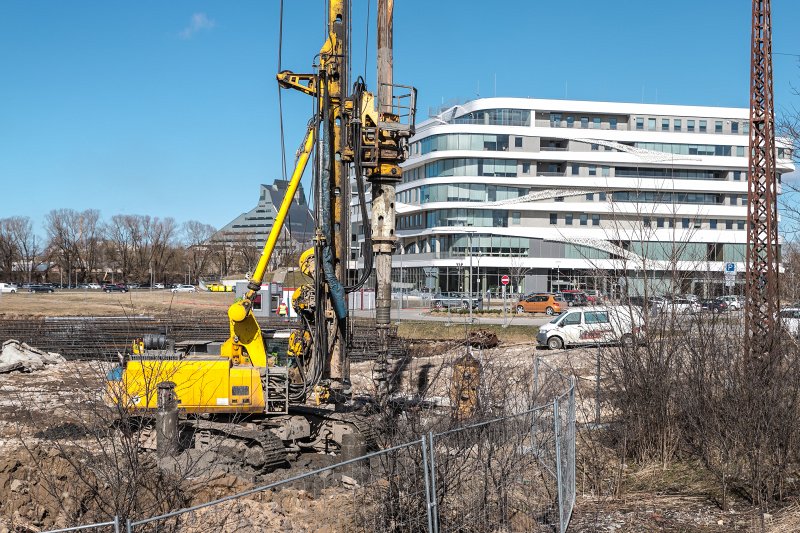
x,y
50,419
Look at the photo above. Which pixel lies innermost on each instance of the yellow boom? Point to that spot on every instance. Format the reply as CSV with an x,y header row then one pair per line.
x,y
245,331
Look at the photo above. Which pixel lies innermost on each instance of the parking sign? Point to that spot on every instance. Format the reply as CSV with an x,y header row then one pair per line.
x,y
730,267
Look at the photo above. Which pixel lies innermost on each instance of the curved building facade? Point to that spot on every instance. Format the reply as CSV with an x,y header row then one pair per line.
x,y
559,193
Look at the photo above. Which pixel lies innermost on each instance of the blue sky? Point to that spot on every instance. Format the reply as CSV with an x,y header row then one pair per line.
x,y
170,108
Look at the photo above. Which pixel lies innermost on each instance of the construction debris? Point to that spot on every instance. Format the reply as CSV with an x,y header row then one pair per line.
x,y
482,339
18,356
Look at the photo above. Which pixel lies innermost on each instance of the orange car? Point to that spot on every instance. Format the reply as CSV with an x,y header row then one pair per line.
x,y
541,303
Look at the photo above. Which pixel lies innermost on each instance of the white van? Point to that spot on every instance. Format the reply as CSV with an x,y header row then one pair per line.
x,y
8,287
599,324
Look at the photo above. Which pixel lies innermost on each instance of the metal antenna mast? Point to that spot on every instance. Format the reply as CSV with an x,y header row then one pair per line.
x,y
761,283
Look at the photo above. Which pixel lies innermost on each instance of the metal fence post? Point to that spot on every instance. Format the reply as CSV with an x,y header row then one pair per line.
x,y
559,489
426,473
128,527
434,497
572,430
116,524
597,389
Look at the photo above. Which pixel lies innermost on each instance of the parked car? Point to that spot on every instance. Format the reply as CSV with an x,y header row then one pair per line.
x,y
8,287
117,287
95,286
715,305
550,304
41,288
574,298
158,286
184,288
594,296
790,318
680,305
449,300
733,301
597,324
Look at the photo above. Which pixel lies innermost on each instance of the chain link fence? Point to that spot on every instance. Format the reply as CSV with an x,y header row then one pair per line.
x,y
511,473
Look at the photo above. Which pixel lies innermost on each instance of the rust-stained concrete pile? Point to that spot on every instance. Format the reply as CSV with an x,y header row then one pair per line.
x,y
18,356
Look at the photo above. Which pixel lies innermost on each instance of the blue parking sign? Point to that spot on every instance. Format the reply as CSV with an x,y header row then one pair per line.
x,y
730,267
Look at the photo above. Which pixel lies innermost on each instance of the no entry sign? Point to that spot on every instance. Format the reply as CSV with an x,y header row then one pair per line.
x,y
505,280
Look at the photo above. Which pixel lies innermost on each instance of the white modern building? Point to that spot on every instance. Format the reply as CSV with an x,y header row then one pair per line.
x,y
560,193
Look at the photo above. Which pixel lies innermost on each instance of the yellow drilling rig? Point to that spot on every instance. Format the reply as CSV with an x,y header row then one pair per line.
x,y
242,393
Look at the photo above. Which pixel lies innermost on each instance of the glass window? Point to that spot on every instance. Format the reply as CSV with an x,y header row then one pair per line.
x,y
590,196
712,223
602,196
595,220
737,175
555,120
584,122
597,122
592,170
676,124
559,198
734,127
740,151
740,224
717,126
729,224
515,217
685,222
568,219
746,127
734,199
646,222
606,171
526,168
571,319
553,218
671,222
595,317
698,223
612,123
594,147
690,125
584,219
651,124
660,222
570,121
576,169
703,126
639,123
664,124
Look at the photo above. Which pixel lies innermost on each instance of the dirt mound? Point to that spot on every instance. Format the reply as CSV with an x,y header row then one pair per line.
x,y
40,489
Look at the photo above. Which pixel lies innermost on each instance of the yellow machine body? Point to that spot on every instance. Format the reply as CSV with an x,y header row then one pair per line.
x,y
203,384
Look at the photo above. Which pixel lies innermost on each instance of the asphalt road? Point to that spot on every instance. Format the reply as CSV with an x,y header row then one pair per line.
x,y
425,314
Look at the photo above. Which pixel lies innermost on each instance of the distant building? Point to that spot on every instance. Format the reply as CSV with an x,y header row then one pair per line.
x,y
253,227
561,193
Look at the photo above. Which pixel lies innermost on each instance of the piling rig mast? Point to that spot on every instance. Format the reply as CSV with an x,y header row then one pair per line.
x,y
303,402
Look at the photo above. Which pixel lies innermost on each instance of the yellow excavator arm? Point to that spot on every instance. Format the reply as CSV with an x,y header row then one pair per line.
x,y
245,342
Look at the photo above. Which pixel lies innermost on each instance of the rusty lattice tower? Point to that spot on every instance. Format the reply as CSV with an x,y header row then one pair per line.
x,y
761,283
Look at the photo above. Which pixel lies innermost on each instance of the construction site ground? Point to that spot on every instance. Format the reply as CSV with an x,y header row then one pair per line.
x,y
44,413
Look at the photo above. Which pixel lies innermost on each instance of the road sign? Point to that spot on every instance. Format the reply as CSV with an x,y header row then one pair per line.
x,y
730,267
505,280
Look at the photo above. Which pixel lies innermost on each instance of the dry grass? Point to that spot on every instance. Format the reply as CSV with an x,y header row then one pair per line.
x,y
457,331
97,303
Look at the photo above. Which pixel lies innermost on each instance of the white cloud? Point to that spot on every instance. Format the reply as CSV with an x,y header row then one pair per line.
x,y
197,23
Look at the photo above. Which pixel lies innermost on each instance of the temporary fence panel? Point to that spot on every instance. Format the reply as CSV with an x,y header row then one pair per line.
x,y
381,491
